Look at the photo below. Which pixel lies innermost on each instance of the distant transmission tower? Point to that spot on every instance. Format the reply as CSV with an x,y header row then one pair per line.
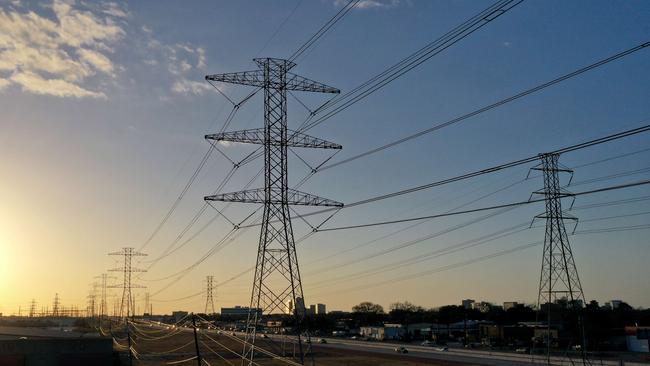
x,y
559,276
209,291
32,308
147,303
103,304
55,306
277,276
127,307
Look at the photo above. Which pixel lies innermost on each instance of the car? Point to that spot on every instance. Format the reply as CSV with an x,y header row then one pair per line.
x,y
321,341
233,333
442,349
264,336
401,350
522,350
354,337
426,344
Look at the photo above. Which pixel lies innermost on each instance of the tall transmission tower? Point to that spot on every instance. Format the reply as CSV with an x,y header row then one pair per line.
x,y
277,276
127,307
559,281
55,306
209,292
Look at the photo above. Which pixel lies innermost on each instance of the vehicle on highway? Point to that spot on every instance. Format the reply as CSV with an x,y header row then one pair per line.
x,y
321,341
522,350
354,337
264,336
426,344
401,350
442,349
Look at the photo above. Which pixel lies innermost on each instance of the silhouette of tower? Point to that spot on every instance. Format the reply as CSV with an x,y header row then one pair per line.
x,y
209,292
277,276
559,279
127,307
55,306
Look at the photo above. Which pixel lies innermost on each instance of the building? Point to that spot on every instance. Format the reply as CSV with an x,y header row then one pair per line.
x,y
179,315
468,304
238,311
509,305
312,310
320,309
614,304
372,332
637,339
482,306
299,306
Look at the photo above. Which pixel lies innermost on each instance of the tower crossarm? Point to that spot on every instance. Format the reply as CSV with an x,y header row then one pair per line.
x,y
256,78
256,136
258,195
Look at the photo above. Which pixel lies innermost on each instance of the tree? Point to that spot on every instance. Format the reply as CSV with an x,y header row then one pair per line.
x,y
368,307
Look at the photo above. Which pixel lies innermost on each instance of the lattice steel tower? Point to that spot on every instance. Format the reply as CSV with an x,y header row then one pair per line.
x,y
127,307
56,306
559,276
209,292
277,276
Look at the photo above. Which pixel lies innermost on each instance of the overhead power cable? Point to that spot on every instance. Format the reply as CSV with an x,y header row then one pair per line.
x,y
415,59
323,29
491,106
489,208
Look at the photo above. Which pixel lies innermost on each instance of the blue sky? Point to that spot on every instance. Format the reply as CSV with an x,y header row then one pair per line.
x,y
105,108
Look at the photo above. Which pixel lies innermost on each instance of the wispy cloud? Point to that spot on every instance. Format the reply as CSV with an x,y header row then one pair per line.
x,y
56,55
184,61
370,4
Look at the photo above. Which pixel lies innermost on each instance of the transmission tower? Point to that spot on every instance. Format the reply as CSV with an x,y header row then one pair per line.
x,y
103,304
147,303
277,276
209,292
32,308
559,279
55,306
127,308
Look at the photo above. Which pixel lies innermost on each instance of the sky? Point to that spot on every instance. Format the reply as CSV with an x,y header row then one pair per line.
x,y
104,110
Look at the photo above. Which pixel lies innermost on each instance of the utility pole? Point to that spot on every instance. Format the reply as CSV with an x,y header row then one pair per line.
x,y
196,340
277,275
209,291
559,275
127,306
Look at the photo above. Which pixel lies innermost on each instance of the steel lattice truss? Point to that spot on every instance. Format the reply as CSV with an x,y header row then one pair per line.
x,y
276,196
559,277
256,136
209,299
275,76
277,276
127,307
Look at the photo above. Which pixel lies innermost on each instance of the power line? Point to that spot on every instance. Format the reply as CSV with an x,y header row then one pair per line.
x,y
415,59
323,29
480,209
491,106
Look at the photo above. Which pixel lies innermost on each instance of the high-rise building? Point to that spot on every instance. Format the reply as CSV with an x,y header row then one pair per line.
x,y
320,309
468,303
